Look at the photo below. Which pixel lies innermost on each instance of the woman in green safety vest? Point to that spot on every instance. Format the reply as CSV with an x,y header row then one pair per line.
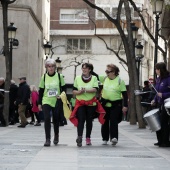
x,y
114,100
49,91
85,88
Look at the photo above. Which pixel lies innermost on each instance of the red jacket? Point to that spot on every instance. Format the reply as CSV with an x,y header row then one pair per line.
x,y
79,103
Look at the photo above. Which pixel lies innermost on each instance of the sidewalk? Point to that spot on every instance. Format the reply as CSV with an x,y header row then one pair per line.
x,y
22,149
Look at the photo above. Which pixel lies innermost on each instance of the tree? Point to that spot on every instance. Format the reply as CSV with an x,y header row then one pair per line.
x,y
5,4
134,105
76,61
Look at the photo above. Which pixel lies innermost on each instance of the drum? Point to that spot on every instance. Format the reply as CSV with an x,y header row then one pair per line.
x,y
153,119
167,100
167,107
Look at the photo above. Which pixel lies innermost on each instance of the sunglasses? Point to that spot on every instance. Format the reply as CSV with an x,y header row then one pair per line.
x,y
51,66
107,71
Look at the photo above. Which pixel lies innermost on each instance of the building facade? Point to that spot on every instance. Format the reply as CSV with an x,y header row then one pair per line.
x,y
74,31
32,19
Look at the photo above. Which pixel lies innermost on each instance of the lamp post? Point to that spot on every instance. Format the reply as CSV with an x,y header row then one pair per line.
x,y
139,56
11,37
47,48
157,6
58,65
135,33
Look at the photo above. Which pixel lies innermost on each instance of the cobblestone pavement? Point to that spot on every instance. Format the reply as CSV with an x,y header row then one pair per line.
x,y
22,149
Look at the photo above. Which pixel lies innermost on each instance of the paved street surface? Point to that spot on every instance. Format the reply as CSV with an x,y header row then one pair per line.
x,y
22,149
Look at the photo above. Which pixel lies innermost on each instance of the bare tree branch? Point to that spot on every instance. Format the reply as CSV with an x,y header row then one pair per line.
x,y
144,24
116,53
10,2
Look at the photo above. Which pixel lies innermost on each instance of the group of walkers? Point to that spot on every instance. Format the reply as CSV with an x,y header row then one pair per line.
x,y
88,104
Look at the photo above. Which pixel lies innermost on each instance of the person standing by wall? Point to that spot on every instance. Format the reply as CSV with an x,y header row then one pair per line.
x,y
22,100
2,85
13,115
163,88
49,91
113,90
33,101
145,97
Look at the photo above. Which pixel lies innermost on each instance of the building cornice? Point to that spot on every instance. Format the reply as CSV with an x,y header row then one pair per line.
x,y
28,9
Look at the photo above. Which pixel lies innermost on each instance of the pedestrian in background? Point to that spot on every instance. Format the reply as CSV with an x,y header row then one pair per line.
x,y
34,103
13,113
2,86
49,91
145,97
163,88
22,100
113,96
85,88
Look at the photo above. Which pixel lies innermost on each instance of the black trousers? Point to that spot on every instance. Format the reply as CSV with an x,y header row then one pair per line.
x,y
48,110
85,113
163,133
2,120
110,127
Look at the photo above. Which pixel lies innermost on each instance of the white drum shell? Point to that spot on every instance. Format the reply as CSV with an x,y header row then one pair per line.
x,y
167,105
167,100
153,119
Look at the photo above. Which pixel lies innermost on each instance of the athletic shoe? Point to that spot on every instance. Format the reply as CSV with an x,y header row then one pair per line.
x,y
47,142
114,141
104,142
37,124
88,141
56,139
79,141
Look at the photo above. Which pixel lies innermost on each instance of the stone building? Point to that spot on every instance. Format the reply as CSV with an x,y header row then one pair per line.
x,y
31,18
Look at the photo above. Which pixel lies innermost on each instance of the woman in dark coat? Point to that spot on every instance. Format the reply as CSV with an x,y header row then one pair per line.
x,y
163,92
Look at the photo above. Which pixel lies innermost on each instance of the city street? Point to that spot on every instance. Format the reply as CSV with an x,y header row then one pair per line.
x,y
22,149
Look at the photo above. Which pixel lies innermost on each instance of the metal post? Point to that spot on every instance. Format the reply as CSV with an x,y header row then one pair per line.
x,y
138,68
10,58
156,44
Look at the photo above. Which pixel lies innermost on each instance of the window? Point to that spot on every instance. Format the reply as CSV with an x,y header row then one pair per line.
x,y
79,46
74,16
117,44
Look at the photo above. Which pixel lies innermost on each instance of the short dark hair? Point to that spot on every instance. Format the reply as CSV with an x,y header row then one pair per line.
x,y
146,83
88,65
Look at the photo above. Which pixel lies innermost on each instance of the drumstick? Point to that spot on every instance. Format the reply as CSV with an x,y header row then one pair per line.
x,y
145,103
153,86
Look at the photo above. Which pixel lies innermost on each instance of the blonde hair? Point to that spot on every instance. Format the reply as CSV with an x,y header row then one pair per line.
x,y
33,88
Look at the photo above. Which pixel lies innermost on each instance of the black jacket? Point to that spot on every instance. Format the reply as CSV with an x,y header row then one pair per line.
x,y
23,94
13,93
2,94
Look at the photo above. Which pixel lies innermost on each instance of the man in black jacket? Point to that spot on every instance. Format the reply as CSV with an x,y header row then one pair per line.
x,y
22,100
13,115
2,84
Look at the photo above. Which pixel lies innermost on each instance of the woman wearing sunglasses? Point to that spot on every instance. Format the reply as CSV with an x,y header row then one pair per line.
x,y
114,101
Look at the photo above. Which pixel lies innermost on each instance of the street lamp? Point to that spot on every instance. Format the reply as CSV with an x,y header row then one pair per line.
x,y
47,48
134,31
11,37
58,65
139,56
157,6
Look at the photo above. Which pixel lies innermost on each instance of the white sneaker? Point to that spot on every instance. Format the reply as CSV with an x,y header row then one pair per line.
x,y
114,141
104,142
